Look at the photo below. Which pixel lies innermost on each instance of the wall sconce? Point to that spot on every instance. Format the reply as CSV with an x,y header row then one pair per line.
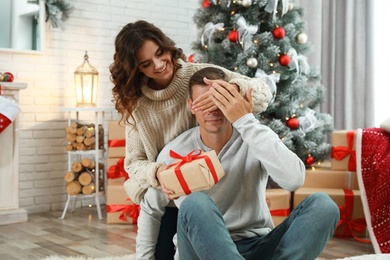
x,y
86,82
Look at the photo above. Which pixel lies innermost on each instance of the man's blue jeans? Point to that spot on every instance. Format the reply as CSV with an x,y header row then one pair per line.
x,y
202,234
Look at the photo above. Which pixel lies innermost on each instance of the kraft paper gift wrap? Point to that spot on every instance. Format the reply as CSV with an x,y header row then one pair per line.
x,y
120,209
196,171
334,179
343,152
116,140
278,201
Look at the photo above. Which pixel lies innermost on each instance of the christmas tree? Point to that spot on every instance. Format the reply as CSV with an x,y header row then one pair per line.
x,y
266,39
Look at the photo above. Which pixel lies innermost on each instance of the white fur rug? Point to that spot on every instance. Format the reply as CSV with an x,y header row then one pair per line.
x,y
132,257
124,257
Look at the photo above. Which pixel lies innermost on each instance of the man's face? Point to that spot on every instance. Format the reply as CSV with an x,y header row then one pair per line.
x,y
210,122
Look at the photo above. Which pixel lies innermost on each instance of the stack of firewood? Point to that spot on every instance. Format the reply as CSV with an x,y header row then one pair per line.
x,y
82,137
81,179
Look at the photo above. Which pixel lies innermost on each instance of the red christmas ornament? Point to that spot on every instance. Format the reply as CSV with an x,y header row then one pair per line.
x,y
293,123
309,160
8,76
191,58
233,36
279,32
284,60
206,3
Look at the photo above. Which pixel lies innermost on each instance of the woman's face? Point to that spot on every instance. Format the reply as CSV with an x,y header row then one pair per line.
x,y
155,64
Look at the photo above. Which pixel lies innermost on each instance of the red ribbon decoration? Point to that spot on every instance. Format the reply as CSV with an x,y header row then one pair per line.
x,y
117,143
351,226
280,212
186,159
131,211
117,170
340,152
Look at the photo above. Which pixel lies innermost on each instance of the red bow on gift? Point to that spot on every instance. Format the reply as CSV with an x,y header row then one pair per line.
x,y
117,143
118,170
351,226
186,159
280,212
340,152
131,211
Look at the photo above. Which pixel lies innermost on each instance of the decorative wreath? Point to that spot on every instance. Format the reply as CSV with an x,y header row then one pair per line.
x,y
57,11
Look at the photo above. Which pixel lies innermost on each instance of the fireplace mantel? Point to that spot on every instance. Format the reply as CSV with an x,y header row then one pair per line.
x,y
9,163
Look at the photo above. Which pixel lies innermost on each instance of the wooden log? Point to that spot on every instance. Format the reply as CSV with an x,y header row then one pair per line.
x,y
81,130
69,147
80,138
90,132
69,129
73,188
88,141
88,189
80,147
88,163
77,167
70,137
71,176
76,125
86,178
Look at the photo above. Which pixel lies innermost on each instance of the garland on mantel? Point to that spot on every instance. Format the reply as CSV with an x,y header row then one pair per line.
x,y
57,11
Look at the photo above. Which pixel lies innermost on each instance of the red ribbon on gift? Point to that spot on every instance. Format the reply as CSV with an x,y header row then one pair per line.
x,y
340,152
117,143
351,226
280,212
186,159
128,211
118,170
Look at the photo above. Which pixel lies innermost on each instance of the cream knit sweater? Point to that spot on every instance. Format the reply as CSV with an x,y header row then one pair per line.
x,y
162,115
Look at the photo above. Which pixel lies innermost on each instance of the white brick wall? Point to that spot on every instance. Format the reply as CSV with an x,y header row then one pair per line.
x,y
92,26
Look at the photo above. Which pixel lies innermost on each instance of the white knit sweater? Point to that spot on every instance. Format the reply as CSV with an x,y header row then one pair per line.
x,y
161,115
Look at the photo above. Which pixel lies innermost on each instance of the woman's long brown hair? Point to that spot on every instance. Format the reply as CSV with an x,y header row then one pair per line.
x,y
125,75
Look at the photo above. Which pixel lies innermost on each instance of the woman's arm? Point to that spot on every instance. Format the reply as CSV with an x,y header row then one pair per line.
x,y
141,170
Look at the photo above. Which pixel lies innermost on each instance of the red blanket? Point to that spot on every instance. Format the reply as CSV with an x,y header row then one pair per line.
x,y
373,170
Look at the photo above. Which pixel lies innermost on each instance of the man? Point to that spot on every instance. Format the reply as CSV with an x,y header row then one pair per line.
x,y
232,220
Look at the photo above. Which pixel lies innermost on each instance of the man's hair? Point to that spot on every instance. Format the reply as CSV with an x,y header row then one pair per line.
x,y
209,73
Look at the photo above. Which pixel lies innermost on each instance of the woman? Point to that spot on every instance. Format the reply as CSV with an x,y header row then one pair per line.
x,y
150,78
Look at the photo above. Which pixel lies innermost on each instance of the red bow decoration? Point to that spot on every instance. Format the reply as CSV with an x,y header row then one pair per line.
x,y
340,152
131,211
117,170
186,159
280,212
351,226
117,143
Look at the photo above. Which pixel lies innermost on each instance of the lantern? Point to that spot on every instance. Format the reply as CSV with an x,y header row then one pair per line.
x,y
86,83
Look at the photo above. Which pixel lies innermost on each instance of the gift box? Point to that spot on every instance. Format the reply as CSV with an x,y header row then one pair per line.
x,y
116,140
343,153
352,221
328,178
116,174
120,209
279,204
196,171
